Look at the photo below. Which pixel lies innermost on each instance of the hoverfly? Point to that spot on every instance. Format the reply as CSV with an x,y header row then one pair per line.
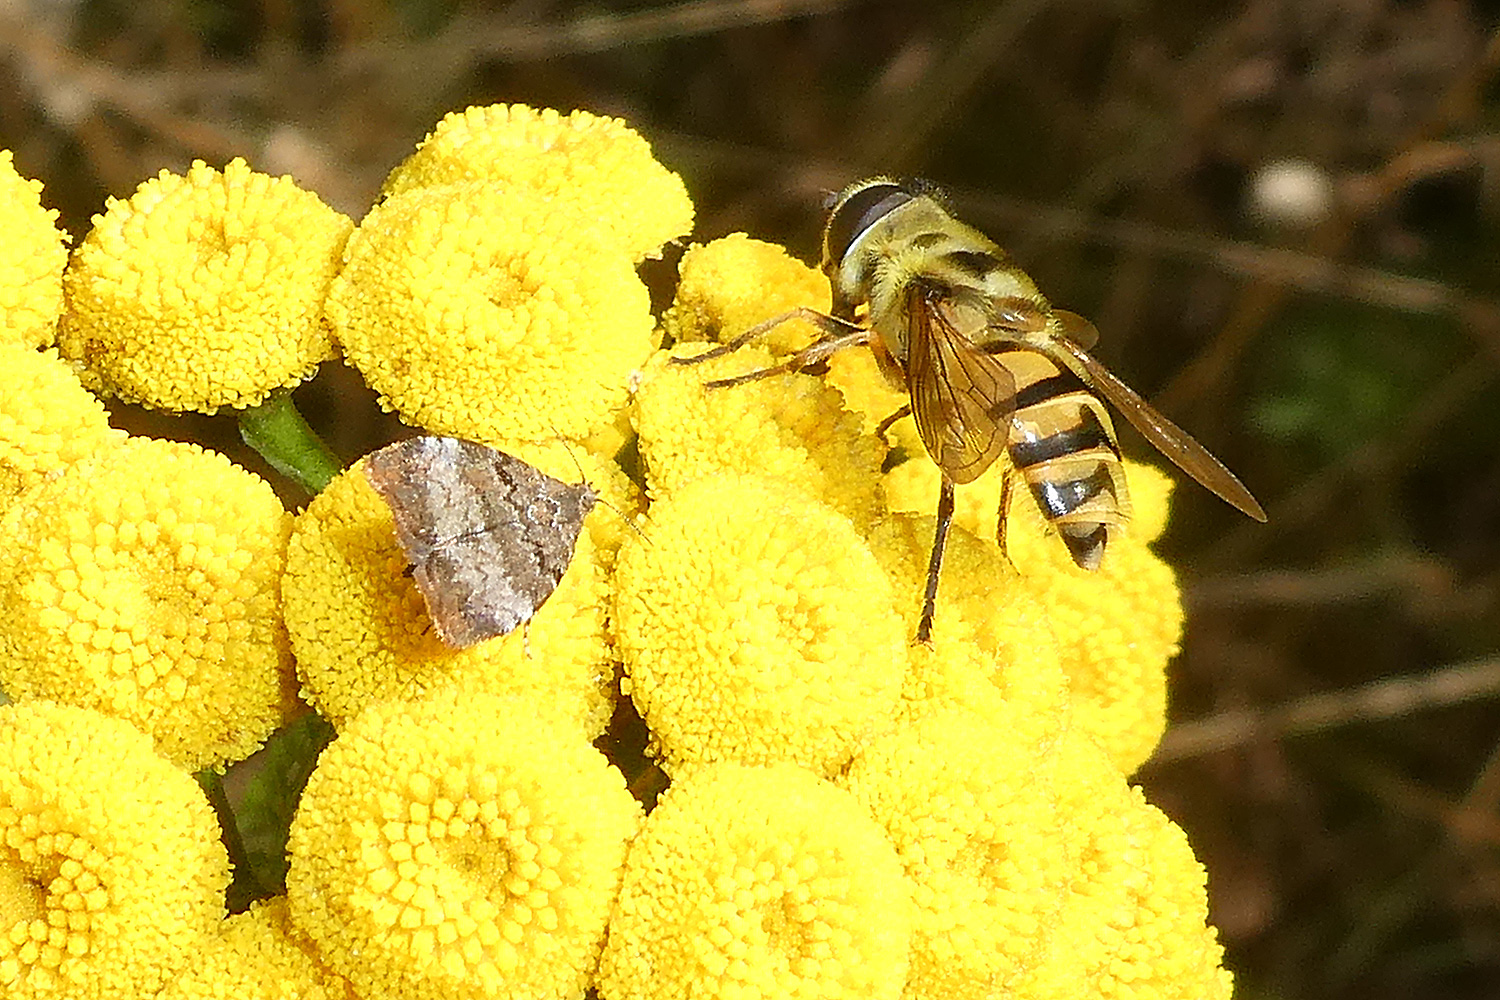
x,y
988,364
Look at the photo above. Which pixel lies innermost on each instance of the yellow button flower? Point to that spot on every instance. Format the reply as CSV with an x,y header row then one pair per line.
x,y
255,955
1133,922
32,256
360,630
758,883
790,428
203,291
1116,627
483,312
993,650
727,286
111,870
596,168
144,583
756,626
47,420
459,847
975,819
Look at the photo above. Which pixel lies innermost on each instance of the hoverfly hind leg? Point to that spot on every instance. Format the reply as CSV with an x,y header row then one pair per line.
x,y
935,561
1002,514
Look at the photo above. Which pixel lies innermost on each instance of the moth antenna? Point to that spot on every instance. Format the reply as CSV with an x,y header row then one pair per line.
x,y
598,497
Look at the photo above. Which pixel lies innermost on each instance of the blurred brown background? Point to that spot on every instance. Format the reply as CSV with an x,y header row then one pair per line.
x,y
1284,217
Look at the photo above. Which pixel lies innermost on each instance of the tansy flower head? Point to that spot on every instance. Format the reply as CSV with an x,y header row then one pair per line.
x,y
360,629
992,651
144,583
256,955
790,428
1116,627
483,312
757,883
47,420
727,286
756,626
32,256
111,869
596,168
203,291
975,820
459,847
1133,922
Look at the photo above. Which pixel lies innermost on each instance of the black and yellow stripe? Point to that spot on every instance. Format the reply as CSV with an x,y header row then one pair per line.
x,y
1063,444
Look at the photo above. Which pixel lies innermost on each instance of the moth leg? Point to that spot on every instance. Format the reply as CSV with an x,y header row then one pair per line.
x,y
889,421
1003,515
830,325
812,354
935,564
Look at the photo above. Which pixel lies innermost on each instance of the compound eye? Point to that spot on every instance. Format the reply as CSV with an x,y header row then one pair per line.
x,y
856,212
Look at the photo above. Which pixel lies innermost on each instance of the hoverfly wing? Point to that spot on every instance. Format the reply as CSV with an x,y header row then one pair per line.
x,y
962,398
1075,328
1171,440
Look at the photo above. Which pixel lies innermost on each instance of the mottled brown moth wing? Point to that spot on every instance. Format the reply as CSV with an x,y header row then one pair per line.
x,y
488,536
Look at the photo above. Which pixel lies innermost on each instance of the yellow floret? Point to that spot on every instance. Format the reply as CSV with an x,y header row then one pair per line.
x,y
1133,923
459,847
758,883
203,291
360,630
790,428
32,256
755,626
145,583
596,168
485,313
47,420
975,819
1116,627
255,956
111,870
992,651
727,286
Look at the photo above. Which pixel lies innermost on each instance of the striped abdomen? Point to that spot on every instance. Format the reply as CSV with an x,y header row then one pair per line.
x,y
1063,444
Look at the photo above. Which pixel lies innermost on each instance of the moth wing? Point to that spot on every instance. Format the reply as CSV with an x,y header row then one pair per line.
x,y
1171,440
962,398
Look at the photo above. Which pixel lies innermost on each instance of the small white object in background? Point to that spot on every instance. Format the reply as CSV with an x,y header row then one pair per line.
x,y
1292,194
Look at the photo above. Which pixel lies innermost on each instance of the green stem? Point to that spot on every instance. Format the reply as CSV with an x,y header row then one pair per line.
x,y
234,844
283,438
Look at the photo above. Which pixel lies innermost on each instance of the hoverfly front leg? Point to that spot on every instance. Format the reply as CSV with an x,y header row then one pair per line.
x,y
935,563
890,421
837,335
1003,515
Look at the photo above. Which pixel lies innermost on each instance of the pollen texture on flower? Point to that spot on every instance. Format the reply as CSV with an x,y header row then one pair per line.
x,y
1134,917
111,869
758,882
459,847
256,955
480,312
975,819
204,290
360,630
727,286
593,167
32,256
47,419
790,428
755,625
145,583
1116,627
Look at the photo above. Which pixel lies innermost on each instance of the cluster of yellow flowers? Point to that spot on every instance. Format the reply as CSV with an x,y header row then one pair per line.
x,y
848,813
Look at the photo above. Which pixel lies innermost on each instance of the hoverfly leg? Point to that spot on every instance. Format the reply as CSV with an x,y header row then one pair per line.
x,y
831,326
817,351
935,563
889,421
1003,515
